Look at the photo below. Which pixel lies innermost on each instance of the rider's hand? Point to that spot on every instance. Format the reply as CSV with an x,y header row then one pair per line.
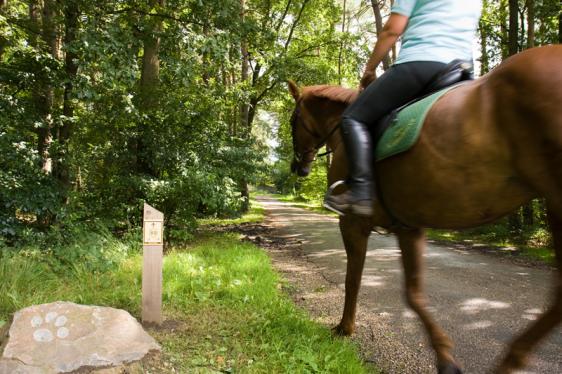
x,y
367,78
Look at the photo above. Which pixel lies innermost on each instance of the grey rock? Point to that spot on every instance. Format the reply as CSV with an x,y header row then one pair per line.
x,y
63,337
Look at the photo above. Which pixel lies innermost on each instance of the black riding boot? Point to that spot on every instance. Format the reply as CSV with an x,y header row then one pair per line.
x,y
359,198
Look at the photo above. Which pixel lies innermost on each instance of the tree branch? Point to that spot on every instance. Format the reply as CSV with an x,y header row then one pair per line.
x,y
283,17
294,25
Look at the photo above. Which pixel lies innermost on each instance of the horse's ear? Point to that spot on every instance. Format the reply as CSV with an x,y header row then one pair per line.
x,y
294,89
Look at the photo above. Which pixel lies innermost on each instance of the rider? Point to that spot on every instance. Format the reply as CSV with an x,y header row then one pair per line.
x,y
434,32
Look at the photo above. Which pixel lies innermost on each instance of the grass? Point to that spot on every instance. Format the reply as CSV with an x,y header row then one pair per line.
x,y
239,319
223,304
492,236
299,202
32,277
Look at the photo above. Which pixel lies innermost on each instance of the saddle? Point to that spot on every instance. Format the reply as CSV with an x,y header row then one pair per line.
x,y
398,131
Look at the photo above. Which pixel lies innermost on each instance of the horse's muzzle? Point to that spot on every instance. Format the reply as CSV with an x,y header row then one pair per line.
x,y
301,171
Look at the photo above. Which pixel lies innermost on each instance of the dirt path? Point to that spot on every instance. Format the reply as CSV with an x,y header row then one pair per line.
x,y
482,301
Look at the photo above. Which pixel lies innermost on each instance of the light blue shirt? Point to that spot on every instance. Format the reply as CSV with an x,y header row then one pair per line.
x,y
438,30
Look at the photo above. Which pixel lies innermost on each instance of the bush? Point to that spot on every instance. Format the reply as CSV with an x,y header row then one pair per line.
x,y
311,188
27,195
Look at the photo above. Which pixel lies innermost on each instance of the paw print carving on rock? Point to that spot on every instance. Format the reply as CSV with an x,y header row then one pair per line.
x,y
50,327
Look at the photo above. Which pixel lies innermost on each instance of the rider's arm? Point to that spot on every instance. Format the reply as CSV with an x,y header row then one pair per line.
x,y
392,30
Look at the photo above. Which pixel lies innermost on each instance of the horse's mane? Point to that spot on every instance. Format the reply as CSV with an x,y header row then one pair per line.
x,y
334,93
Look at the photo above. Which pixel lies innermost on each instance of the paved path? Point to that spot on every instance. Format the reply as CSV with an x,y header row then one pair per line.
x,y
482,301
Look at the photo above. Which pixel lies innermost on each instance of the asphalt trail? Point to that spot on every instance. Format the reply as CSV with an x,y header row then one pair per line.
x,y
482,301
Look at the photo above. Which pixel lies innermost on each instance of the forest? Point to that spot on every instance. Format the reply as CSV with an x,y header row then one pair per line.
x,y
183,103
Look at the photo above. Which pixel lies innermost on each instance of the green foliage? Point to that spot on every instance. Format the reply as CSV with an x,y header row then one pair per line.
x,y
311,188
25,192
255,214
193,161
282,178
315,185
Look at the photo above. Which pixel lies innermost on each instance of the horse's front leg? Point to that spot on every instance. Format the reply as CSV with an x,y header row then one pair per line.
x,y
412,245
355,233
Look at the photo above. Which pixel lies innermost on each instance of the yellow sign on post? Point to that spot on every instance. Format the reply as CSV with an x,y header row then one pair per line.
x,y
153,232
153,246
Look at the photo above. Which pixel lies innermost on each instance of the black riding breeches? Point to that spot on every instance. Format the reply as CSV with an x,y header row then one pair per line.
x,y
396,87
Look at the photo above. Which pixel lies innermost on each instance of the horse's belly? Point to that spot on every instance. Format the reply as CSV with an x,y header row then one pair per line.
x,y
460,173
458,201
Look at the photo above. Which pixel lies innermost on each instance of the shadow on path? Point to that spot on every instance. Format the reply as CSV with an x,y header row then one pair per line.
x,y
482,301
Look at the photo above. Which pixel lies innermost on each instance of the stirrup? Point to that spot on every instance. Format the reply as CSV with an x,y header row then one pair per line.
x,y
329,193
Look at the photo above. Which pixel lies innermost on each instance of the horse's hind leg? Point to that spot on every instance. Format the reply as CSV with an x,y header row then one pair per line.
x,y
412,245
518,351
355,233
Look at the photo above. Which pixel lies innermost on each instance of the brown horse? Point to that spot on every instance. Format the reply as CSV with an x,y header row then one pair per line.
x,y
486,148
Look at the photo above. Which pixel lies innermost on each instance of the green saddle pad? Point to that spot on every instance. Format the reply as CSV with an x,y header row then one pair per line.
x,y
404,130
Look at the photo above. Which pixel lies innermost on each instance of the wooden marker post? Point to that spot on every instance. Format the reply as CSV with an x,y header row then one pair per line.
x,y
153,245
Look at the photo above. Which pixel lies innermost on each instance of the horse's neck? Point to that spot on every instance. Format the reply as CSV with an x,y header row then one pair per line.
x,y
327,123
335,138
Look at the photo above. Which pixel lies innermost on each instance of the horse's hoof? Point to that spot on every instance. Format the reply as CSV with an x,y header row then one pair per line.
x,y
449,368
340,331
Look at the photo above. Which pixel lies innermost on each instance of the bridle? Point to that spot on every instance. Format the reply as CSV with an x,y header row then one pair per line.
x,y
299,157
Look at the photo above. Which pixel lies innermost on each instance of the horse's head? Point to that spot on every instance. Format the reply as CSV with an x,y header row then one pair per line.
x,y
305,138
315,120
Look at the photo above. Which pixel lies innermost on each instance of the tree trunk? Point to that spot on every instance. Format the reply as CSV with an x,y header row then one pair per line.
x,y
504,39
3,41
244,73
233,75
530,23
514,222
522,32
45,132
206,76
513,43
528,214
244,106
484,58
560,26
150,74
514,219
41,24
44,37
340,55
378,23
393,51
71,14
149,90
